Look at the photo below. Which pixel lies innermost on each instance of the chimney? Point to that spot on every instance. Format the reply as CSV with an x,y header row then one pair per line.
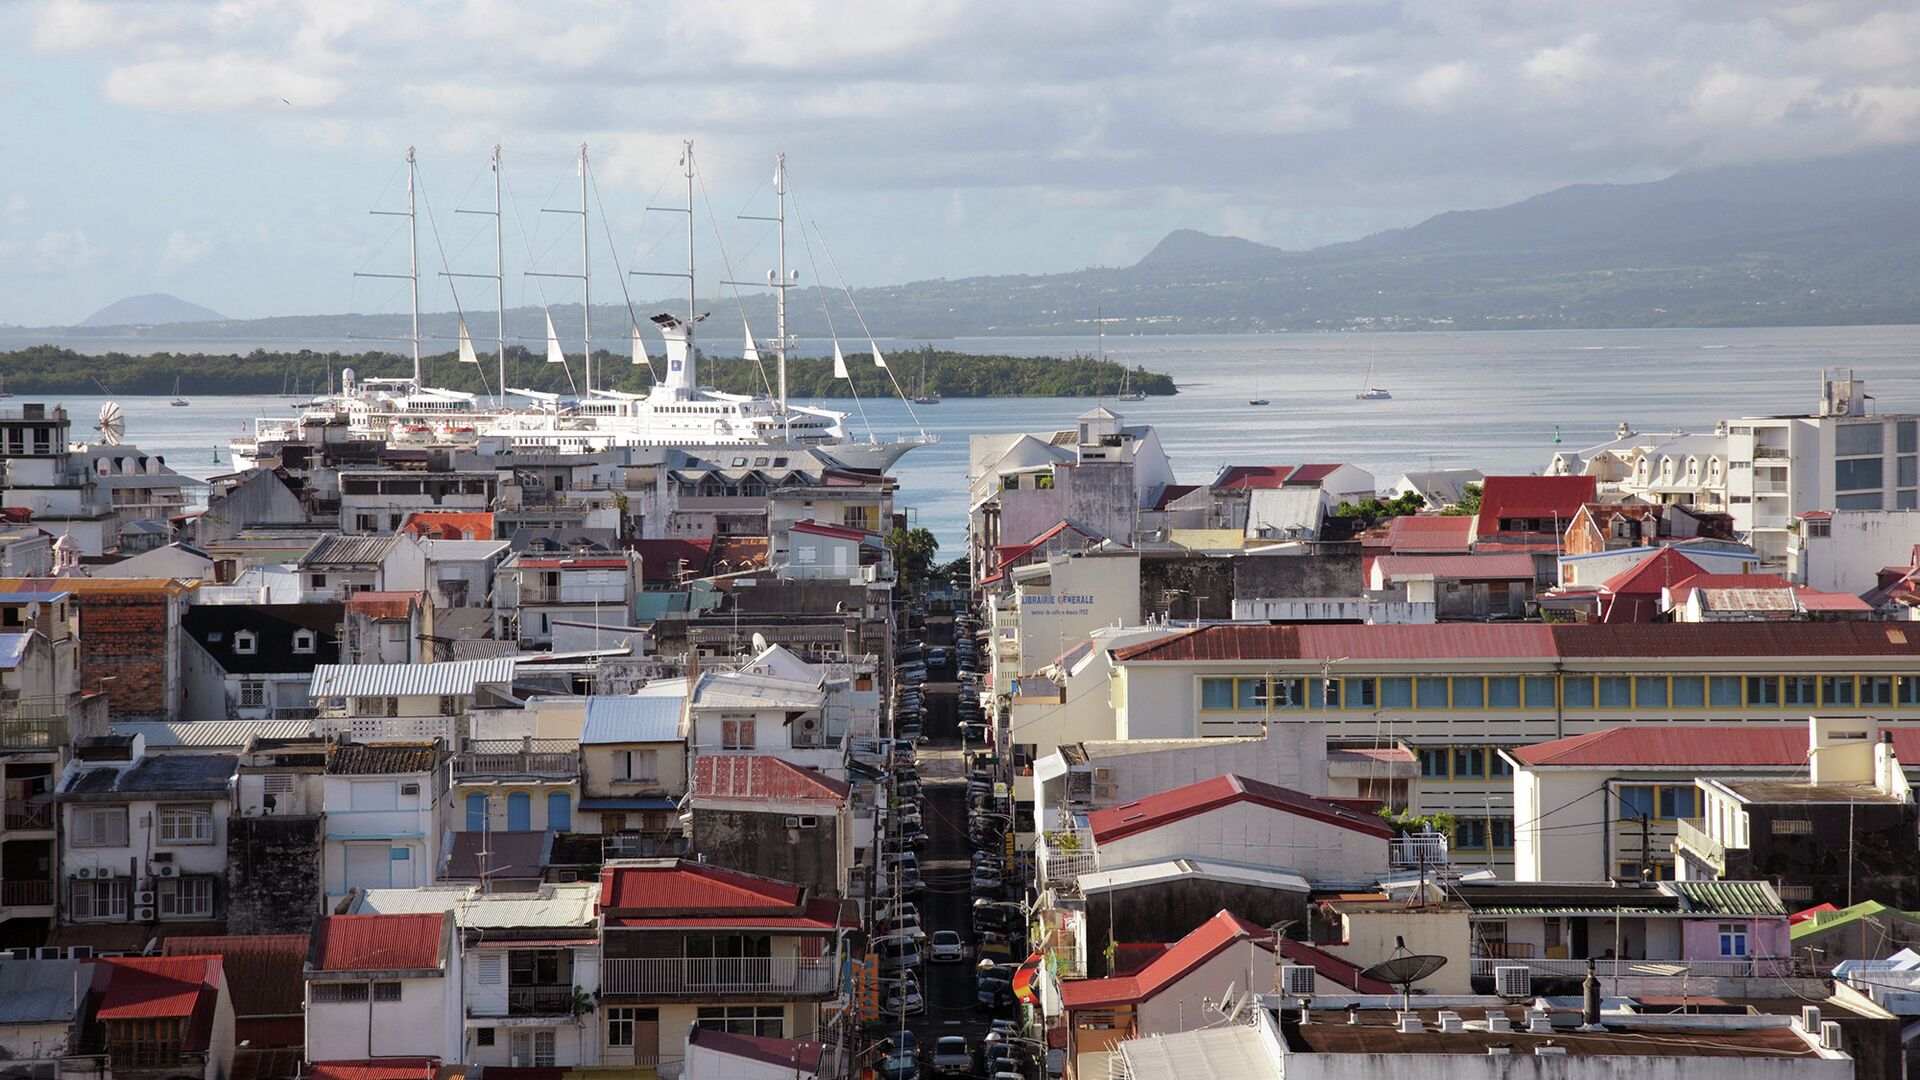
x,y
1590,997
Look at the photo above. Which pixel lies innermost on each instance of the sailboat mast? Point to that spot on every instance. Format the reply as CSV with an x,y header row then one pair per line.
x,y
413,266
692,303
499,275
780,293
586,272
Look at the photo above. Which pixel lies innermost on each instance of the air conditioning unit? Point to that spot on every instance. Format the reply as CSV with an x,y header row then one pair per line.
x,y
103,872
143,898
1513,981
793,823
409,789
809,822
1830,1037
166,870
143,914
85,873
1296,980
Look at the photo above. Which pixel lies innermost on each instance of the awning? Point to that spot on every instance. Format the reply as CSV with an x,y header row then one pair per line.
x,y
1023,977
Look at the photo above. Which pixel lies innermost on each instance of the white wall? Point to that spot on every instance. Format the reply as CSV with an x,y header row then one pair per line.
x,y
425,1022
368,812
1243,965
1249,833
1858,544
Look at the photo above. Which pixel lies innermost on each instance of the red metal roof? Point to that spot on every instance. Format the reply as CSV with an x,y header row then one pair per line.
x,y
1689,746
1494,641
1653,573
1430,534
158,987
409,942
263,971
378,1069
818,915
384,605
762,777
786,1054
450,524
1181,959
1011,553
838,532
1457,567
1333,968
1142,815
688,888
1540,497
1731,581
1247,477
662,560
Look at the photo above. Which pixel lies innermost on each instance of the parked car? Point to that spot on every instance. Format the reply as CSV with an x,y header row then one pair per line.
x,y
952,1056
937,656
905,1000
898,1065
995,946
898,953
947,947
994,994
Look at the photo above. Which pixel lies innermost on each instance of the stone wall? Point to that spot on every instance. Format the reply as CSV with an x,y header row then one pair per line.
x,y
273,874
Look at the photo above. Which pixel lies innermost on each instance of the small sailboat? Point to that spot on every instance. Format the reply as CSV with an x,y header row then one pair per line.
x,y
1256,399
925,396
178,401
1370,392
1127,392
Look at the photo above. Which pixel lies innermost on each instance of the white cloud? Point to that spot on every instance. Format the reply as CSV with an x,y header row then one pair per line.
x,y
183,249
55,249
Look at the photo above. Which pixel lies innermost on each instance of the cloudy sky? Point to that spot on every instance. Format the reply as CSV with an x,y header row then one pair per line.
x,y
228,151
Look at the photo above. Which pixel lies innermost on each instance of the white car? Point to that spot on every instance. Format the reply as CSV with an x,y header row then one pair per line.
x,y
947,946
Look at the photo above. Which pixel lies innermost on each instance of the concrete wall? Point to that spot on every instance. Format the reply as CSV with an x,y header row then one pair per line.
x,y
1150,912
425,1022
1098,497
1169,587
1296,576
1082,595
1248,833
273,874
758,842
1858,543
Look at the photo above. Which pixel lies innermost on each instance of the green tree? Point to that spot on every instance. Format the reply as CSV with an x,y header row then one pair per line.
x,y
913,552
1469,502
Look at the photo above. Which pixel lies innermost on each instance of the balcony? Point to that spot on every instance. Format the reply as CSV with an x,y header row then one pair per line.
x,y
387,729
25,815
545,758
1734,968
1777,453
1695,841
26,894
539,1000
689,978
1063,857
32,725
1415,852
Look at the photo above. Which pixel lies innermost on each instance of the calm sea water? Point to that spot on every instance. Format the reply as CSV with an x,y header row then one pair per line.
x,y
1490,401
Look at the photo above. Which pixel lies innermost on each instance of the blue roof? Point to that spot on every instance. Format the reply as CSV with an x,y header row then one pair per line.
x,y
651,718
13,647
32,597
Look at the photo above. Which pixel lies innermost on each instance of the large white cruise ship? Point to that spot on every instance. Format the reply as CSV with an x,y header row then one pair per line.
x,y
677,412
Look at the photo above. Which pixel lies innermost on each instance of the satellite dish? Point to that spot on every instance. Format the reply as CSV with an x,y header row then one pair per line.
x,y
759,643
113,424
1404,971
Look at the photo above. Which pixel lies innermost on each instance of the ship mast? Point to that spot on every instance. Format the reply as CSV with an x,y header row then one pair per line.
x,y
499,274
586,272
692,302
413,263
778,280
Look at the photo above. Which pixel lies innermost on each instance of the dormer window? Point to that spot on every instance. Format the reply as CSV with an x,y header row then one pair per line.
x,y
246,643
303,641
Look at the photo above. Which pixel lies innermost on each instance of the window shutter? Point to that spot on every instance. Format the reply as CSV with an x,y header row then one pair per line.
x,y
490,969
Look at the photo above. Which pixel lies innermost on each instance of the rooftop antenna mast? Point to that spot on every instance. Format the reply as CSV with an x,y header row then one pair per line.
x,y
499,274
584,276
413,263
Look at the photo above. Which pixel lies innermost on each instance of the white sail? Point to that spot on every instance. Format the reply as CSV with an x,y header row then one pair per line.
x,y
554,355
840,364
639,348
467,355
752,352
878,360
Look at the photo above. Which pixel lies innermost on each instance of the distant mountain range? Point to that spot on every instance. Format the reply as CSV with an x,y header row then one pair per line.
x,y
152,309
1835,240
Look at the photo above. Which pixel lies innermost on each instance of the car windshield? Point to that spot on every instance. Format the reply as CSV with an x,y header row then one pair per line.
x,y
946,937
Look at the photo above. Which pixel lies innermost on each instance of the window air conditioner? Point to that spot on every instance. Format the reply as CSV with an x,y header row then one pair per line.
x,y
1514,981
167,870
144,914
85,873
409,789
1297,980
143,898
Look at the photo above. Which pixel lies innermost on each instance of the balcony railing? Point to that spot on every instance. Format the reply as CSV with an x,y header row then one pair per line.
x,y
28,725
26,893
1695,839
1414,852
1063,857
25,814
777,976
1734,968
539,1000
558,758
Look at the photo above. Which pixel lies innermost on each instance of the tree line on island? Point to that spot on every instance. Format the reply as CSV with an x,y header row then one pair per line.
x,y
45,369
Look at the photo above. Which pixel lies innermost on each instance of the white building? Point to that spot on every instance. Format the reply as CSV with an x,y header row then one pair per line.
x,y
144,837
407,702
386,821
385,986
1675,468
1845,550
336,567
